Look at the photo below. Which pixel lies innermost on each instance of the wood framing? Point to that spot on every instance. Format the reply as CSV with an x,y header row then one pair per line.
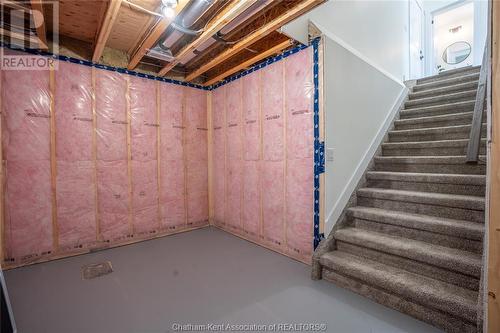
x,y
39,20
227,15
94,154
244,65
105,30
158,151
494,209
53,162
152,38
210,157
2,177
255,36
129,158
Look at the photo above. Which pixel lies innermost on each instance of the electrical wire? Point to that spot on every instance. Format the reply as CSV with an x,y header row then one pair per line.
x,y
140,8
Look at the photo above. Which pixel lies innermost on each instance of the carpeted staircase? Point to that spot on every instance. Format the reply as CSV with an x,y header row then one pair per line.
x,y
411,238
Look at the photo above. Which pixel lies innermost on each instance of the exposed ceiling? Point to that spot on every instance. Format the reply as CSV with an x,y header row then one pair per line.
x,y
231,35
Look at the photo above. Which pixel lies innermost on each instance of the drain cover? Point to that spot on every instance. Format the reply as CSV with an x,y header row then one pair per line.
x,y
95,270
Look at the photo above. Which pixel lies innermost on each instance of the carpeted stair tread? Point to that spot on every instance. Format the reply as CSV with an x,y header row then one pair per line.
x,y
429,198
433,119
466,77
440,178
429,144
439,225
461,86
432,130
427,159
449,74
441,99
432,293
446,108
465,262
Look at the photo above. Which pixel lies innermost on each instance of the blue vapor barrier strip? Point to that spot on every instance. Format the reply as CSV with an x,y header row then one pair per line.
x,y
319,147
105,67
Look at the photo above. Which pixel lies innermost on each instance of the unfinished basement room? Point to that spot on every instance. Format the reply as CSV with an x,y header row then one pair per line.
x,y
249,166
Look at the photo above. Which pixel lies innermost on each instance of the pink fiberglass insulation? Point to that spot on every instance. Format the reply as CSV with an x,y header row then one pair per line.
x,y
299,178
272,112
219,154
75,185
144,133
273,202
299,206
251,198
251,117
234,155
172,182
276,148
298,96
26,145
112,160
196,156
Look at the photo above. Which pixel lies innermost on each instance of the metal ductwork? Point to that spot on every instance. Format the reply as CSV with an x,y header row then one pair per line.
x,y
190,16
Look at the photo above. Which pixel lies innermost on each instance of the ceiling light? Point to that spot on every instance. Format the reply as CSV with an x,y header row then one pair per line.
x,y
169,3
168,12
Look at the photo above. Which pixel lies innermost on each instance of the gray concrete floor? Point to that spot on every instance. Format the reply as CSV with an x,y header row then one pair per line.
x,y
199,277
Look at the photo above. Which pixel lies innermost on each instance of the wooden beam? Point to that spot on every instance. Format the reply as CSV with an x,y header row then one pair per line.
x,y
106,27
228,14
154,35
39,20
255,36
493,236
276,49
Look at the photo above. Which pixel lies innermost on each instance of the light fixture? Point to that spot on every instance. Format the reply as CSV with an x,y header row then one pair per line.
x,y
168,8
168,12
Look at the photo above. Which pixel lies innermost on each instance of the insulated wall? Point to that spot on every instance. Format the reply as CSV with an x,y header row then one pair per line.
x,y
94,158
263,156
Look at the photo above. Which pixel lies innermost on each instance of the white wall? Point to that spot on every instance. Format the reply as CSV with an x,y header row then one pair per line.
x,y
377,29
360,103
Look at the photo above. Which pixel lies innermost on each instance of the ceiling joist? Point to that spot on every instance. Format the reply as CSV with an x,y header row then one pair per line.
x,y
155,34
228,14
244,65
39,20
106,27
257,35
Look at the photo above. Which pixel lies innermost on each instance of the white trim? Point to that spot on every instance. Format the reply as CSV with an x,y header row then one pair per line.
x,y
354,51
347,191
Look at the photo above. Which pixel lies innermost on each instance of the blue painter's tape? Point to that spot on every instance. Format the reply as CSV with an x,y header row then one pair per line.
x,y
319,147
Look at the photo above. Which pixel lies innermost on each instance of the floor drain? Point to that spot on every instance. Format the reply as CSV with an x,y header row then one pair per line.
x,y
95,270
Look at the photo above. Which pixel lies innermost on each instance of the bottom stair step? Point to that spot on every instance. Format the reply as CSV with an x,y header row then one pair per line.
x,y
445,299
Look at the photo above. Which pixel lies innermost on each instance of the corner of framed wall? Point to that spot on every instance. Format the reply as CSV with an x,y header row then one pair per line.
x,y
317,38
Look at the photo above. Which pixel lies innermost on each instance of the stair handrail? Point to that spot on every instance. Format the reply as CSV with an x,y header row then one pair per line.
x,y
477,118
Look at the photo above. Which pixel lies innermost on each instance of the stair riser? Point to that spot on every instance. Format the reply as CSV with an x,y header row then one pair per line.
x,y
432,168
439,319
426,209
448,89
428,187
438,123
420,235
441,77
437,111
462,97
445,151
433,136
461,280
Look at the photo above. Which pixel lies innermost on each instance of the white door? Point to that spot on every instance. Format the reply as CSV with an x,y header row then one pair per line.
x,y
416,40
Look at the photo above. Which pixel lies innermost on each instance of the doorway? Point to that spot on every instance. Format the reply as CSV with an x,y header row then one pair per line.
x,y
453,37
416,16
